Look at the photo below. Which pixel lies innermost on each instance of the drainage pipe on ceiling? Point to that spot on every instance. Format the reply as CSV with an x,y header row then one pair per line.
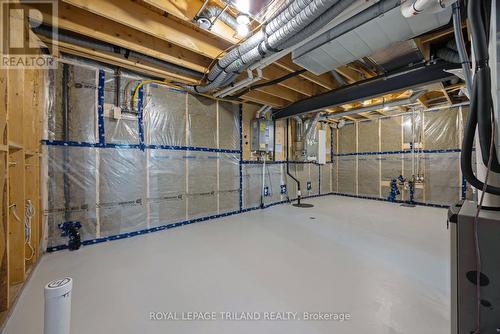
x,y
300,19
411,8
379,106
243,83
340,79
67,37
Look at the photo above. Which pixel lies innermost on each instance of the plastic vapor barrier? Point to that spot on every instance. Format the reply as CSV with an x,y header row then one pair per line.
x,y
421,144
168,158
123,166
270,184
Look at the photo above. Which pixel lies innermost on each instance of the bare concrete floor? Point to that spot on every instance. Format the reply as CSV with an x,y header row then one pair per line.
x,y
385,265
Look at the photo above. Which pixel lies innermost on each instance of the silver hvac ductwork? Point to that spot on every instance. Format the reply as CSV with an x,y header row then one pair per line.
x,y
293,22
219,13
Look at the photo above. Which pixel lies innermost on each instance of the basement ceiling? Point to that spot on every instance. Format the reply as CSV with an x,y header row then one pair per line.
x,y
322,55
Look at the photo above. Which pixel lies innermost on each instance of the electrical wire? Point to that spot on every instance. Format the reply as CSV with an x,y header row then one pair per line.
x,y
476,232
14,212
170,85
270,82
29,213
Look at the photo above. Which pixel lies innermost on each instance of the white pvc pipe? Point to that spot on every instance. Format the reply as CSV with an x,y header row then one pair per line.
x,y
414,7
57,312
241,84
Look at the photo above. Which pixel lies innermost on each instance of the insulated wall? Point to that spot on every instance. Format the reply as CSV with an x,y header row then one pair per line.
x,y
169,158
268,184
426,144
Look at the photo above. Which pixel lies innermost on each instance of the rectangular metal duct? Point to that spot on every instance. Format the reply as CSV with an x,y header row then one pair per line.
x,y
328,51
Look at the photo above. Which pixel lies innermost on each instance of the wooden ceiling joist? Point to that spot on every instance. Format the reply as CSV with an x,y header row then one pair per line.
x,y
166,30
114,59
79,21
263,98
281,92
185,10
297,84
140,18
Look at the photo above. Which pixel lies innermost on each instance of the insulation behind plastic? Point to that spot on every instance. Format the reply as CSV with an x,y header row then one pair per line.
x,y
190,174
82,103
124,130
165,116
112,189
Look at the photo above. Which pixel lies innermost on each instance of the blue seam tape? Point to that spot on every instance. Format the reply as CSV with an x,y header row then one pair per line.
x,y
136,146
451,150
100,108
254,162
231,213
464,188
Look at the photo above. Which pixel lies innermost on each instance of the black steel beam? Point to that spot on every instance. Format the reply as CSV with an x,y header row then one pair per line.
x,y
385,84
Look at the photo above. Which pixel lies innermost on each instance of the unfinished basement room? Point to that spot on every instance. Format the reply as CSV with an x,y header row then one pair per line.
x,y
250,166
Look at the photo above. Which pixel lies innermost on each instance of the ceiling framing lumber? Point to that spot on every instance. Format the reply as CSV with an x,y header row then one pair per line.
x,y
264,98
297,84
79,21
140,18
113,59
186,10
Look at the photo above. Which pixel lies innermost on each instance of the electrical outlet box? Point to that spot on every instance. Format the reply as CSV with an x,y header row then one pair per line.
x,y
112,111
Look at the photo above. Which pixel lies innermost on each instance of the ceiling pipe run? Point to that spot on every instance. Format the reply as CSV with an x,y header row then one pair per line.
x,y
392,104
411,8
68,37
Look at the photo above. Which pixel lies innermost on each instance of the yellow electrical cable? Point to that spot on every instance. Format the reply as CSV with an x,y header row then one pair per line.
x,y
171,85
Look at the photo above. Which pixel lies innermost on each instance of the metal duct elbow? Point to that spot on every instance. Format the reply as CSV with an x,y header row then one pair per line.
x,y
300,128
411,8
265,112
312,126
214,11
